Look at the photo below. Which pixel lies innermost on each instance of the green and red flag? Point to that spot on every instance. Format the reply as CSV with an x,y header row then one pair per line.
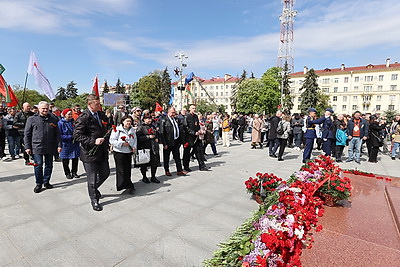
x,y
2,69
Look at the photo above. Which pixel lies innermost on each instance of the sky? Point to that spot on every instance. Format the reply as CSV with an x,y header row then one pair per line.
x,y
76,39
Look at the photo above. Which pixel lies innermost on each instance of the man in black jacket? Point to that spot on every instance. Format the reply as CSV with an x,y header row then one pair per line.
x,y
20,122
42,139
191,126
242,126
91,130
171,135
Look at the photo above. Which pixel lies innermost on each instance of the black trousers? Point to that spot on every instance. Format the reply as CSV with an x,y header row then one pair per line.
x,y
234,133
198,149
175,154
373,155
96,173
339,152
241,132
2,142
123,166
74,168
282,145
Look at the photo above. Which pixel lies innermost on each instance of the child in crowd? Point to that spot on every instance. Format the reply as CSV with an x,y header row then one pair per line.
x,y
341,139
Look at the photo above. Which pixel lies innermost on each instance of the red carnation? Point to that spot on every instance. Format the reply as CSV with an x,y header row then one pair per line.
x,y
114,128
150,131
186,145
104,123
123,138
52,124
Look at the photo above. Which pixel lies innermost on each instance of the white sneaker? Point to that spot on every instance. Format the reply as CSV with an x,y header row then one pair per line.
x,y
17,156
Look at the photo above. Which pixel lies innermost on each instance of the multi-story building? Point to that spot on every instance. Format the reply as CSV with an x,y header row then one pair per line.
x,y
371,88
215,90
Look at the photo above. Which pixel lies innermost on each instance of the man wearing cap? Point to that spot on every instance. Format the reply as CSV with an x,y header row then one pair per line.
x,y
136,117
310,134
328,135
119,115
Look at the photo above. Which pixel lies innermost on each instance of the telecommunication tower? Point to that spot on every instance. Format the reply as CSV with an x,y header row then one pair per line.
x,y
285,54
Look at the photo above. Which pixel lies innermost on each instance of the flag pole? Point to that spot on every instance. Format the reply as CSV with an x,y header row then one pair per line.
x,y
23,95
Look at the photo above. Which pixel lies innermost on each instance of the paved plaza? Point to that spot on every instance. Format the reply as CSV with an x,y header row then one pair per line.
x,y
178,222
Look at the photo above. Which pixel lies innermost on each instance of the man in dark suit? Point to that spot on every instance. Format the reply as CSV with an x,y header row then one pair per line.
x,y
310,133
191,126
328,135
171,135
91,131
272,134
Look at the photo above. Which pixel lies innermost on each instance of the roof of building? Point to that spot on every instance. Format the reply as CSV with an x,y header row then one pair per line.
x,y
213,80
346,70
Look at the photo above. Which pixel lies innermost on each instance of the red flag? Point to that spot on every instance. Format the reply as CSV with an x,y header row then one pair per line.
x,y
13,98
95,88
7,92
158,107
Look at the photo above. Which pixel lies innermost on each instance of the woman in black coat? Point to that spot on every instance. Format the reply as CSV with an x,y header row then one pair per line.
x,y
375,129
147,139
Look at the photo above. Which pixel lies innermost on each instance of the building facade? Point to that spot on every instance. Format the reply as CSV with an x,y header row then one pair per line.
x,y
369,89
215,90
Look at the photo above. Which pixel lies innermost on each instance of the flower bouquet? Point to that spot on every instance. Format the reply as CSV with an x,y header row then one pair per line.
x,y
262,185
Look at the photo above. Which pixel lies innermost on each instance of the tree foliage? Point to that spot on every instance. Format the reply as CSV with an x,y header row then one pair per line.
x,y
106,88
259,95
234,96
119,87
390,115
165,86
71,91
61,93
147,91
310,91
33,97
70,102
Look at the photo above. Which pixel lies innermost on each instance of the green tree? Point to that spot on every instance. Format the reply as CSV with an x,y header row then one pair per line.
x,y
147,91
322,103
71,91
235,89
310,91
119,87
106,89
390,114
70,102
61,93
165,86
33,97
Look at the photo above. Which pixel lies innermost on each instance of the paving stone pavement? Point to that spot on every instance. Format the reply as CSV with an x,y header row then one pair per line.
x,y
178,222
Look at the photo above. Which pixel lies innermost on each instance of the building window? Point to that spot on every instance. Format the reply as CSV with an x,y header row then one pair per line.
x,y
366,98
325,81
356,79
216,93
216,87
336,80
344,107
355,98
299,99
344,98
368,88
346,79
334,98
226,93
201,94
232,86
380,87
378,107
226,86
298,107
345,89
365,107
369,78
391,107
392,98
325,89
394,77
393,88
355,88
378,98
211,87
334,107
335,89
354,107
380,78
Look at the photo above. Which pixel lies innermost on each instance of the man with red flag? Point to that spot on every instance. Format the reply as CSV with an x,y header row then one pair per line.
x,y
8,93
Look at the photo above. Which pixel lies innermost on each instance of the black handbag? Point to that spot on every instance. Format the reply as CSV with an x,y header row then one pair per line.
x,y
378,138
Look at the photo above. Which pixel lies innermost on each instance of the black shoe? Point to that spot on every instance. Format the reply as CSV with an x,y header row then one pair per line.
x,y
145,180
393,158
97,206
304,161
27,162
188,169
154,180
216,154
48,186
131,190
338,160
68,176
357,161
37,189
13,157
280,159
75,175
273,156
204,169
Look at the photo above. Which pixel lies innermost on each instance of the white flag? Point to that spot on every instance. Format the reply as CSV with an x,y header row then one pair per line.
x,y
41,80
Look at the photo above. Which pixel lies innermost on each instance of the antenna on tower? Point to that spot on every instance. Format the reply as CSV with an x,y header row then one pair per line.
x,y
285,54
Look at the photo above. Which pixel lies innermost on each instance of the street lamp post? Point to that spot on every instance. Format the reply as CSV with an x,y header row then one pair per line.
x,y
181,55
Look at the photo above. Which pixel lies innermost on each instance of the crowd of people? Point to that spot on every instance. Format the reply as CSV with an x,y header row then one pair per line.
x,y
44,134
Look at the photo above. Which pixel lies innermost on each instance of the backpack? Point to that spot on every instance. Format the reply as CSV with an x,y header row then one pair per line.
x,y
279,129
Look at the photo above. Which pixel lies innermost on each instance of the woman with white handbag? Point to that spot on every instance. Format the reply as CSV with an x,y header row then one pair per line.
x,y
148,145
124,141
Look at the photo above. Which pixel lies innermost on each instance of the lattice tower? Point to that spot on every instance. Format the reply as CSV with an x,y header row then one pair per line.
x,y
285,54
